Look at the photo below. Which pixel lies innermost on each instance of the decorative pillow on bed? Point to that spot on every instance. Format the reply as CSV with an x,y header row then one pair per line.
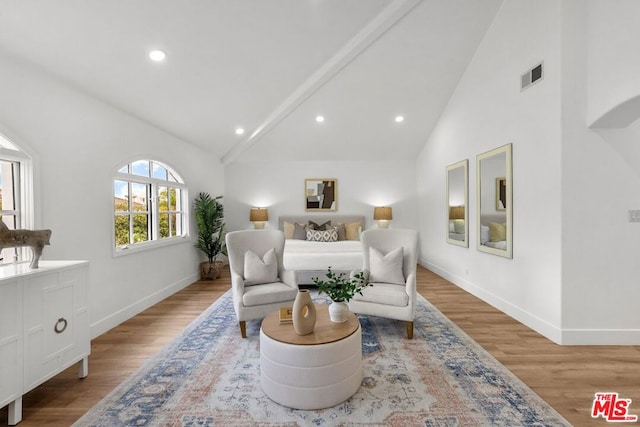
x,y
260,270
300,232
342,231
353,231
322,235
497,232
386,268
288,229
484,234
324,226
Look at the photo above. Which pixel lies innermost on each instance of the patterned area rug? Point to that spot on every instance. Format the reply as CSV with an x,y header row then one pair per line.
x,y
211,376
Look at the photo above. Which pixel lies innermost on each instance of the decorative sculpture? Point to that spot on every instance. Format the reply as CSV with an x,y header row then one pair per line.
x,y
36,239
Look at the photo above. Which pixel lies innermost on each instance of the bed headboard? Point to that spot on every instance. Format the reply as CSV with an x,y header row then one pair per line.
x,y
319,219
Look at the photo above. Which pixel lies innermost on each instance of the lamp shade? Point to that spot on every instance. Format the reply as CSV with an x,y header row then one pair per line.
x,y
456,212
259,214
382,213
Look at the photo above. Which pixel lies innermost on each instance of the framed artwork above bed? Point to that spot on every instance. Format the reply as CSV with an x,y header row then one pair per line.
x,y
321,194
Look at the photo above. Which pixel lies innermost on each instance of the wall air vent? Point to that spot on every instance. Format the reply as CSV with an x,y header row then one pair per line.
x,y
532,76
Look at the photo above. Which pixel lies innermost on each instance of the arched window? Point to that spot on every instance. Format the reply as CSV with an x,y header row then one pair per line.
x,y
15,195
149,205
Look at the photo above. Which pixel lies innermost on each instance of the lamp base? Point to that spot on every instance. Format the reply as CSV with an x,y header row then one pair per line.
x,y
383,223
258,225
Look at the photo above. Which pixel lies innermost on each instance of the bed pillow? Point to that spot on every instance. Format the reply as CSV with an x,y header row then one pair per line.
x,y
497,232
353,230
300,232
288,228
484,234
386,268
342,231
322,235
320,227
260,270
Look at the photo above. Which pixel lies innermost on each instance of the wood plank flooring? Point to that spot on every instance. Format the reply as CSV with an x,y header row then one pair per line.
x,y
565,376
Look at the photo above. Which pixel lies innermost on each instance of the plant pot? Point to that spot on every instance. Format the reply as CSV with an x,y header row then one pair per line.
x,y
210,270
338,311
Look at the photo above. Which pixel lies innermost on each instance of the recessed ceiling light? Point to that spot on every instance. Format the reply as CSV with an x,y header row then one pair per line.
x,y
399,119
239,131
319,119
157,55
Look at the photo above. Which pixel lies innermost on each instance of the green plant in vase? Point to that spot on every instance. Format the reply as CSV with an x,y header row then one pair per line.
x,y
341,289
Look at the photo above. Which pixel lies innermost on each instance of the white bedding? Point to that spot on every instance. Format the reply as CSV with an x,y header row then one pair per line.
x,y
344,255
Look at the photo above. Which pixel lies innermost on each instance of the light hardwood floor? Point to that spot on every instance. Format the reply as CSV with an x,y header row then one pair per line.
x,y
565,376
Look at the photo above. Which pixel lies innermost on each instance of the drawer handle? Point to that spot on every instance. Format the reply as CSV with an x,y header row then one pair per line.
x,y
60,329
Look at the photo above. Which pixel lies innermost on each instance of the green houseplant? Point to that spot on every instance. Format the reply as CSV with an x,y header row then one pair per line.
x,y
209,213
340,289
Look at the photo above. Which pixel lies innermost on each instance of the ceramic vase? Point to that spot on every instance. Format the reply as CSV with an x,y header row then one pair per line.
x,y
303,313
338,311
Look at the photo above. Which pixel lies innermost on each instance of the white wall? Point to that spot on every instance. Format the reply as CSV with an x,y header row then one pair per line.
x,y
613,59
486,111
79,141
600,183
280,187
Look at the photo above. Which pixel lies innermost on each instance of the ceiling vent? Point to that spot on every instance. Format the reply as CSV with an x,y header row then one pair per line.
x,y
532,76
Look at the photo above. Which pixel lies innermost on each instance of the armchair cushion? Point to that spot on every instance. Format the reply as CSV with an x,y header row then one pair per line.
x,y
386,268
268,293
258,271
384,294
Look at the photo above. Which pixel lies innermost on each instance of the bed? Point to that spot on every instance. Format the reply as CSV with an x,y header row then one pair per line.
x,y
311,259
493,231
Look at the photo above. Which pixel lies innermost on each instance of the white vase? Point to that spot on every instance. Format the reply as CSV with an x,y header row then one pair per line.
x,y
338,311
303,313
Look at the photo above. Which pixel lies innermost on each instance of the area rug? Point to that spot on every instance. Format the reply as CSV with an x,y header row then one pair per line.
x,y
210,376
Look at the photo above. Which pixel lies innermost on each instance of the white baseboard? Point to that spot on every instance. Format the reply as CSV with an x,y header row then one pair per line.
x,y
103,325
555,334
540,326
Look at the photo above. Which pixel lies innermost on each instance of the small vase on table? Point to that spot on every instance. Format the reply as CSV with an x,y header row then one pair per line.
x,y
338,311
303,313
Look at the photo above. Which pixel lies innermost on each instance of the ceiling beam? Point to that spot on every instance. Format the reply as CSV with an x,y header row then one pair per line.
x,y
369,34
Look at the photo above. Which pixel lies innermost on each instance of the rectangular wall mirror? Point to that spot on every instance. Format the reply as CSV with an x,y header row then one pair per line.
x,y
457,192
495,201
321,194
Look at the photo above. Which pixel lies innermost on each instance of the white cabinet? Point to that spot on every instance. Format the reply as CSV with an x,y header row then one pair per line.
x,y
44,326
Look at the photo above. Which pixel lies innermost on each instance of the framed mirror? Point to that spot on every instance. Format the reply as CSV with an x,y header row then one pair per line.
x,y
321,194
457,192
495,202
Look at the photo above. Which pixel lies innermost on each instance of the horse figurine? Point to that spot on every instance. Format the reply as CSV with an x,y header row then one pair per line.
x,y
36,239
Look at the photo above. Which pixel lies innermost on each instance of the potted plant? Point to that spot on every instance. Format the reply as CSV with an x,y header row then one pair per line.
x,y
209,213
340,289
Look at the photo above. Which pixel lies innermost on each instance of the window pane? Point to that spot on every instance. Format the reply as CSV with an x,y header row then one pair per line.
x,y
174,225
159,172
162,199
172,178
173,198
139,196
122,230
121,198
140,167
124,169
8,172
163,225
140,228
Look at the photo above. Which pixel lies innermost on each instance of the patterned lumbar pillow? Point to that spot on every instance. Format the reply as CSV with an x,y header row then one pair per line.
x,y
260,270
323,235
386,268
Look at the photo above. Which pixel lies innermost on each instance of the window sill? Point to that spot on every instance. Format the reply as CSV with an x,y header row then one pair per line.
x,y
149,246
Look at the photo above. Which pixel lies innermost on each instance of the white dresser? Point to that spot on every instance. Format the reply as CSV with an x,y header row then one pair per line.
x,y
44,326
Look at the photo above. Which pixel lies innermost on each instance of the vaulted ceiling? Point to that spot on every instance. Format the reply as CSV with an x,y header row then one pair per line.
x,y
268,66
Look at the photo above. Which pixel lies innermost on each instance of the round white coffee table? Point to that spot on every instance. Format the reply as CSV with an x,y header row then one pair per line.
x,y
312,371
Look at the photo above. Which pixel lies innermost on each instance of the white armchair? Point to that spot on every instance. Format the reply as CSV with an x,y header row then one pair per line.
x,y
259,282
389,263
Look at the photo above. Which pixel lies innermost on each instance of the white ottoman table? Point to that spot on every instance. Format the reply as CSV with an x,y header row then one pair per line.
x,y
312,371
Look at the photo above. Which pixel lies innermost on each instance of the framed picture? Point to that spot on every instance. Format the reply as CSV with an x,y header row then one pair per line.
x,y
321,194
